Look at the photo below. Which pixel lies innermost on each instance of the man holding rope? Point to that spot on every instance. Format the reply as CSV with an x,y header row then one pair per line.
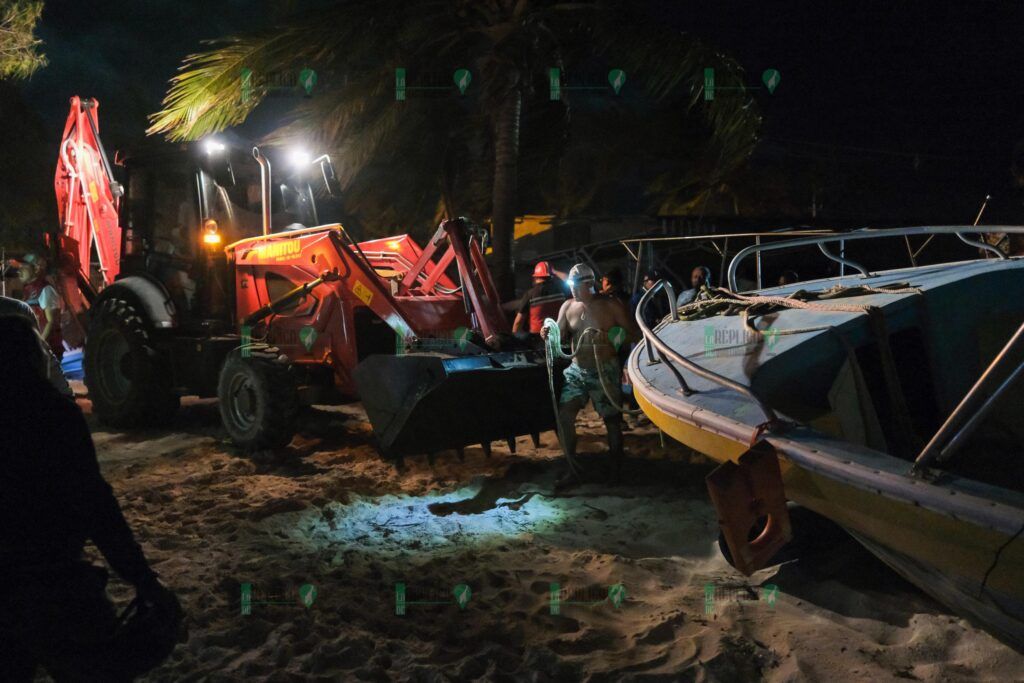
x,y
599,325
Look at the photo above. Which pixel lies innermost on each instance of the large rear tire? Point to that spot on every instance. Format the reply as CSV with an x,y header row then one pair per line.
x,y
128,379
258,401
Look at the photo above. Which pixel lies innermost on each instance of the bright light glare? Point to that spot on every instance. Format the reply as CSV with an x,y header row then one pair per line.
x,y
214,147
211,238
579,282
299,158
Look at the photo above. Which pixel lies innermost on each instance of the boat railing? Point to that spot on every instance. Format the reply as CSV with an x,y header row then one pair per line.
x,y
671,356
975,405
872,233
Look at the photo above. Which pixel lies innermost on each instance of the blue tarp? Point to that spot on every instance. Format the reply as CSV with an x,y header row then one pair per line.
x,y
71,364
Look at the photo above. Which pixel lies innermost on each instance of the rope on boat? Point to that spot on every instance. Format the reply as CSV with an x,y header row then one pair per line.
x,y
726,302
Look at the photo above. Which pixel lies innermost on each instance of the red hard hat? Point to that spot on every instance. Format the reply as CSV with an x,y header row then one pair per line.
x,y
542,269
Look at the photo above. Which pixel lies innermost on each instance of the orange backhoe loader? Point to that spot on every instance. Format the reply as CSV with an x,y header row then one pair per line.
x,y
201,273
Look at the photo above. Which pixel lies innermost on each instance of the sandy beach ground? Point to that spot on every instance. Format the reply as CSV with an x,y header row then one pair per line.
x,y
389,556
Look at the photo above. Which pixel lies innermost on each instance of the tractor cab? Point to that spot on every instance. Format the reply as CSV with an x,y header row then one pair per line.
x,y
183,204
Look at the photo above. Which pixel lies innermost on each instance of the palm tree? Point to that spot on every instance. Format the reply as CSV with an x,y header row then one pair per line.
x,y
19,47
446,152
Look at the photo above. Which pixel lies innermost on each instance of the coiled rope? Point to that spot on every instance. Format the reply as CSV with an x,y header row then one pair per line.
x,y
552,351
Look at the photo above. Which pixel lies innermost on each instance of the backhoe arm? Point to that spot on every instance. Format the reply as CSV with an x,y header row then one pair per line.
x,y
87,195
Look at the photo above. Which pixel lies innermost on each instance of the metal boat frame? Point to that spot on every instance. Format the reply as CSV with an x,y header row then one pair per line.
x,y
964,419
872,233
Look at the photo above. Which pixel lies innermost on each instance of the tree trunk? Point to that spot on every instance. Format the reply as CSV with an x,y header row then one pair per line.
x,y
504,197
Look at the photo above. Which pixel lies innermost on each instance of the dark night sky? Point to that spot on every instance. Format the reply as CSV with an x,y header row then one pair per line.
x,y
923,96
123,52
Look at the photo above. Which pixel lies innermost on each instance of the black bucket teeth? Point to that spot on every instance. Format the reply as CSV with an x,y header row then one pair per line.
x,y
428,402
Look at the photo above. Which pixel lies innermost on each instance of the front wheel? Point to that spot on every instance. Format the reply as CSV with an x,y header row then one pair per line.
x,y
258,402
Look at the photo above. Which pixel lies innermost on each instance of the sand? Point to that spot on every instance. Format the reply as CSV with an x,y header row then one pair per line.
x,y
327,512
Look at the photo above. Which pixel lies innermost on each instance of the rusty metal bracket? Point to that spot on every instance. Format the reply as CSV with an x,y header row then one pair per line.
x,y
745,493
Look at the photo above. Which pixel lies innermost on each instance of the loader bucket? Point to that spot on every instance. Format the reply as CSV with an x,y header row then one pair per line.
x,y
428,402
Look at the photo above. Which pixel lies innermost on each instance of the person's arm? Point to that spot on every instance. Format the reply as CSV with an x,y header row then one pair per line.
x,y
522,313
94,499
50,303
52,318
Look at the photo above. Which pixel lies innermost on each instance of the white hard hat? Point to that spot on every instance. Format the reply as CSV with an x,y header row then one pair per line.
x,y
581,272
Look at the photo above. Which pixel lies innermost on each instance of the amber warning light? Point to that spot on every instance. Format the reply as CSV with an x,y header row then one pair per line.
x,y
211,233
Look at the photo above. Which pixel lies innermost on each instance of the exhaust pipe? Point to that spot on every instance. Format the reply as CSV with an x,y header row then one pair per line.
x,y
264,186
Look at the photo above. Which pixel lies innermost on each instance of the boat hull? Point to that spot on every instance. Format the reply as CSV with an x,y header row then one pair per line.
x,y
974,569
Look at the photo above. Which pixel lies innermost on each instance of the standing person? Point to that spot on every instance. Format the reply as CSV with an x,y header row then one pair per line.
x,y
54,611
541,301
583,376
44,300
611,285
700,280
658,306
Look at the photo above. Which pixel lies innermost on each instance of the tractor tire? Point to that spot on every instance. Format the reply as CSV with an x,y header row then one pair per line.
x,y
258,402
129,381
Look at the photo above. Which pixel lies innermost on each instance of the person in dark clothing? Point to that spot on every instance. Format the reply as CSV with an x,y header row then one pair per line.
x,y
700,282
657,308
54,611
541,301
788,277
54,373
611,285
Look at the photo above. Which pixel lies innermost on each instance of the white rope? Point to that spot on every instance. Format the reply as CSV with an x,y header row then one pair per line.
x,y
556,335
789,302
552,350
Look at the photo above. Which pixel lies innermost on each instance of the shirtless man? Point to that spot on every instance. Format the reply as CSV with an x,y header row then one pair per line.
x,y
588,309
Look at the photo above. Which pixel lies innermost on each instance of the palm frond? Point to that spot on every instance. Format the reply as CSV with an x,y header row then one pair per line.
x,y
209,94
19,48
